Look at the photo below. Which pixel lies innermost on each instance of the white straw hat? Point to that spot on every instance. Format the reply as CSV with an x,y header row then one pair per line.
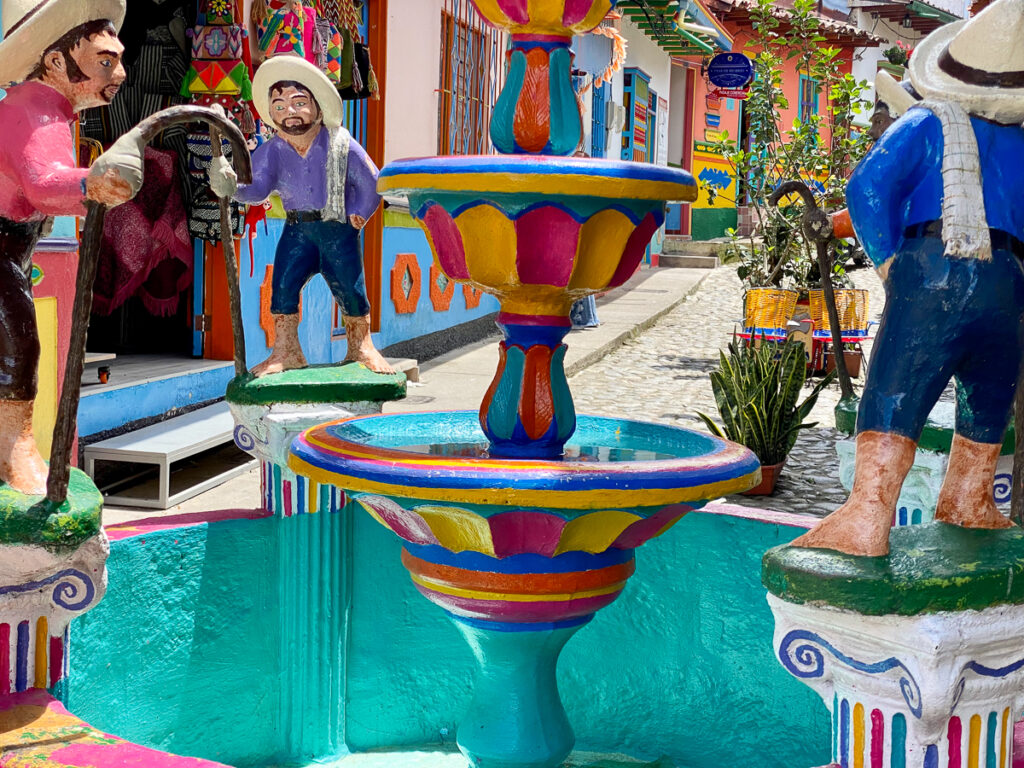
x,y
893,94
30,26
977,63
287,67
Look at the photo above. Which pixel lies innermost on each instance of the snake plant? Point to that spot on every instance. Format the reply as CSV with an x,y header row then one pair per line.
x,y
756,390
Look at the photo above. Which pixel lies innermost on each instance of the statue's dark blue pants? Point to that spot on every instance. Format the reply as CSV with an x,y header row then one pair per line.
x,y
947,317
329,248
19,337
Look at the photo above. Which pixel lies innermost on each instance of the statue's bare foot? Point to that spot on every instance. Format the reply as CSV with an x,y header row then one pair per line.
x,y
279,361
979,515
21,466
372,359
856,528
966,496
360,345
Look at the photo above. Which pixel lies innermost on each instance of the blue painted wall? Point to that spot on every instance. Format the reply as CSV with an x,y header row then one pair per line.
x,y
183,653
402,327
316,329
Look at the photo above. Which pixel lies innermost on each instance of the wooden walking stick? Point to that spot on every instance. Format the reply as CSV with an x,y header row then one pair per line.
x,y
818,229
67,411
228,243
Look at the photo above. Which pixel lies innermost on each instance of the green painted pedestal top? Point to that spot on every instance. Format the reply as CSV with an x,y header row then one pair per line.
x,y
33,520
930,568
349,383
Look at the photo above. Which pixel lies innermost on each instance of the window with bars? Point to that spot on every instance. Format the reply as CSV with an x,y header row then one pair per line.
x,y
808,97
472,63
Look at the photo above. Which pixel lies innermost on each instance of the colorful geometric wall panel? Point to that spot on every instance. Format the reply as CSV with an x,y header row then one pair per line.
x,y
406,279
442,290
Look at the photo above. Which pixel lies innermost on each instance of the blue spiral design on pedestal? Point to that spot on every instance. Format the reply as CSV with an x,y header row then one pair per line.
x,y
74,590
807,661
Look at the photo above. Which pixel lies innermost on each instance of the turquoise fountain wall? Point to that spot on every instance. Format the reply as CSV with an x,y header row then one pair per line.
x,y
191,650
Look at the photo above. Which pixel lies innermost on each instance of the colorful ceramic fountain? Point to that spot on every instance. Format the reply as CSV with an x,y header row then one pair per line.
x,y
522,521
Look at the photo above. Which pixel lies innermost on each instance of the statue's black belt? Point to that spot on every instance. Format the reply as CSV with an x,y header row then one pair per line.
x,y
1001,240
304,217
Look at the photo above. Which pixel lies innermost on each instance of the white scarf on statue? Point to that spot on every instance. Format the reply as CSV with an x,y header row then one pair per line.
x,y
964,226
337,173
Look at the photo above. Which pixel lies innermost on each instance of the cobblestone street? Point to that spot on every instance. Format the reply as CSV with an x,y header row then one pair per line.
x,y
663,375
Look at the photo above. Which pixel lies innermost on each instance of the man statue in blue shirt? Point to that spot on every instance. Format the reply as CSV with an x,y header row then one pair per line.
x,y
937,204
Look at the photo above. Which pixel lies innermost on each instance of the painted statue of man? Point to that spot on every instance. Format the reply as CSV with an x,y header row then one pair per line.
x,y
937,206
328,185
64,56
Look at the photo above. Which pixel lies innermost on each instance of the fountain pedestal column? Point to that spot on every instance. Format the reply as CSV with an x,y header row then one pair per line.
x,y
917,655
516,718
528,410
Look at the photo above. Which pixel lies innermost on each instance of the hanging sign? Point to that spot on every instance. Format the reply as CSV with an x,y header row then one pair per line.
x,y
732,71
730,93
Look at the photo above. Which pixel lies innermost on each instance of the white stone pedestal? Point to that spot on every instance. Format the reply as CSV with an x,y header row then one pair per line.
x,y
40,592
939,690
267,431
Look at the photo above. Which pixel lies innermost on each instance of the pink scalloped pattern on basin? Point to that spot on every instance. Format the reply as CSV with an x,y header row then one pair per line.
x,y
521,531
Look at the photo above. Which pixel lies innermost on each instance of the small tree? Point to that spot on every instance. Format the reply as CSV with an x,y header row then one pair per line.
x,y
820,150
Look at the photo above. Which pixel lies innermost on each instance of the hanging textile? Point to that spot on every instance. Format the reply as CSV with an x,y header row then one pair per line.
x,y
219,75
146,251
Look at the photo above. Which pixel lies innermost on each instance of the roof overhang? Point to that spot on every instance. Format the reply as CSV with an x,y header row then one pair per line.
x,y
657,18
910,14
835,31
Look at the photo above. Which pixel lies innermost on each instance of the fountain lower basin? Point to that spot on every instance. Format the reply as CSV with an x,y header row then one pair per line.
x,y
520,553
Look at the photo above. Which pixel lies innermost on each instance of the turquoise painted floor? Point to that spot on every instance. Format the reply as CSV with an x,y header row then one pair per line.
x,y
442,758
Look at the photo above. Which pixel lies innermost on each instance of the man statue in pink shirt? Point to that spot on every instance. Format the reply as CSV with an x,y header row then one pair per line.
x,y
64,57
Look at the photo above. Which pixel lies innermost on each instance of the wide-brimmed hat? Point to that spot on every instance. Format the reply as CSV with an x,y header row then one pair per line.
x,y
30,26
287,67
977,63
893,94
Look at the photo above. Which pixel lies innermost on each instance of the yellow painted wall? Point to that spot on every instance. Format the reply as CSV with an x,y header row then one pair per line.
x,y
46,401
708,164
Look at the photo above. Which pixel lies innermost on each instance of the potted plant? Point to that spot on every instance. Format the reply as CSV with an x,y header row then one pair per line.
x,y
895,61
853,354
756,390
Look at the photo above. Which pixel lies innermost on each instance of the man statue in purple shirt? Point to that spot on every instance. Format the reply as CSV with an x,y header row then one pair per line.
x,y
328,185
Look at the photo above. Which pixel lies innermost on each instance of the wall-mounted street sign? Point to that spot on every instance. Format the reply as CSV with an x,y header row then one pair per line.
x,y
732,71
729,93
730,74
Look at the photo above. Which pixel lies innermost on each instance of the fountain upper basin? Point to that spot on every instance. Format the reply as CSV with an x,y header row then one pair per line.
x,y
537,232
442,456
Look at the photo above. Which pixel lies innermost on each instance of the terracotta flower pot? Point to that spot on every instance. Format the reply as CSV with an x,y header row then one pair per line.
x,y
769,475
853,359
